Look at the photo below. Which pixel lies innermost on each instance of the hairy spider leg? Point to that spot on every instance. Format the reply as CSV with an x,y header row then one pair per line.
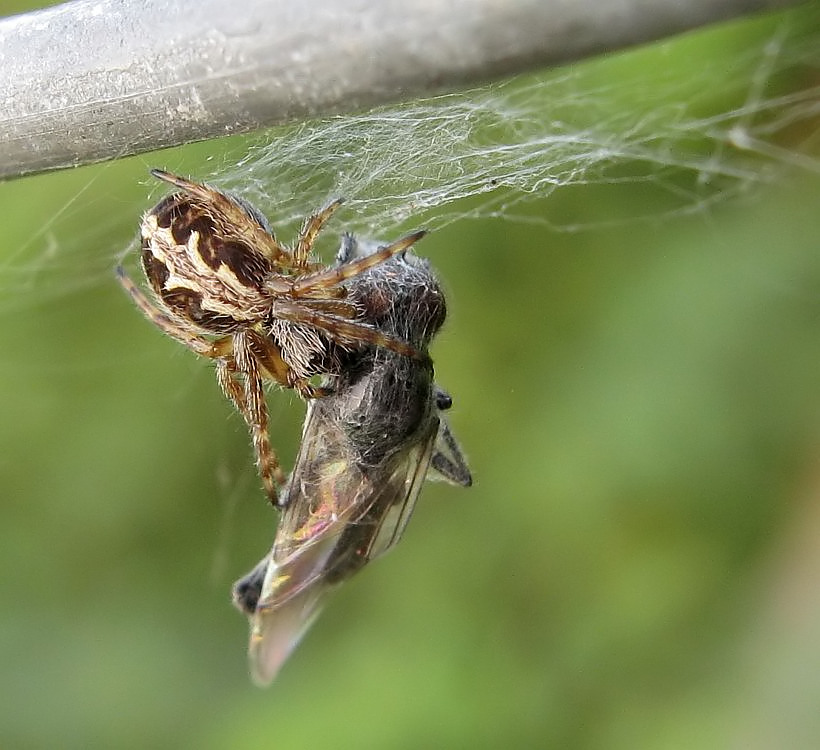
x,y
166,324
269,356
310,229
234,356
232,215
300,307
267,461
334,275
341,330
249,399
339,308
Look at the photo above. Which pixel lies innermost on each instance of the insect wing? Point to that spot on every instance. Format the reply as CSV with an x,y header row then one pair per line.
x,y
397,497
339,518
321,498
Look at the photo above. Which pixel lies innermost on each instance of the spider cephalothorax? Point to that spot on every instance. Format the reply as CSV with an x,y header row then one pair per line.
x,y
227,289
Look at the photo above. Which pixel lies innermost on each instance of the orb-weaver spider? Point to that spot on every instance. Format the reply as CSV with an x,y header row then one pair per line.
x,y
227,289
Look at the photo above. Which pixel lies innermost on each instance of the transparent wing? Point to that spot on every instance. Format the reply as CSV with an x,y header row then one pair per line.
x,y
339,516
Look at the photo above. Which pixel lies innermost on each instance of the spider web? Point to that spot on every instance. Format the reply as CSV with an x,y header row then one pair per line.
x,y
702,120
698,140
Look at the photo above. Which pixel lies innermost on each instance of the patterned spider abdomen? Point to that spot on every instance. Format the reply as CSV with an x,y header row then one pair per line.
x,y
200,268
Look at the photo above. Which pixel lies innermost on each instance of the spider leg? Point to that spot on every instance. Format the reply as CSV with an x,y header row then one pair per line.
x,y
312,226
226,372
269,356
343,331
334,275
337,307
253,407
247,397
232,215
176,330
197,189
226,377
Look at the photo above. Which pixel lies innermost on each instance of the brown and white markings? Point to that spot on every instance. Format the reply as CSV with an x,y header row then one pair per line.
x,y
226,288
366,450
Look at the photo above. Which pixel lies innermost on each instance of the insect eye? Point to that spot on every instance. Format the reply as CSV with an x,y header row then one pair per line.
x,y
443,400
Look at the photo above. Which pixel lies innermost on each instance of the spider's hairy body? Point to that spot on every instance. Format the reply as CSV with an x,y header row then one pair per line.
x,y
227,289
217,286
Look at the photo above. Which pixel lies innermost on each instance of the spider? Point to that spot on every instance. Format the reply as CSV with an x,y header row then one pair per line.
x,y
227,289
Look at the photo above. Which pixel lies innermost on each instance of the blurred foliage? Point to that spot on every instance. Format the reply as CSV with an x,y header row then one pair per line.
x,y
635,567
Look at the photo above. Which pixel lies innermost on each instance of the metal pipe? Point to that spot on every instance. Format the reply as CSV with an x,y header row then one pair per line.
x,y
92,80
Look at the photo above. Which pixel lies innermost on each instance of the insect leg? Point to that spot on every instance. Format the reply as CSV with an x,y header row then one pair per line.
x,y
448,461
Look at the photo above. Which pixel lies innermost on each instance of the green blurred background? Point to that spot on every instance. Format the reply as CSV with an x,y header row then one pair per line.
x,y
636,566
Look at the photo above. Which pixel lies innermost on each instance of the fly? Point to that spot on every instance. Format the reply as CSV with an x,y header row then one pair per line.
x,y
365,452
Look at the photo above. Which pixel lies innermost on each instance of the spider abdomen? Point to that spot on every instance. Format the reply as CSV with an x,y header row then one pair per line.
x,y
200,275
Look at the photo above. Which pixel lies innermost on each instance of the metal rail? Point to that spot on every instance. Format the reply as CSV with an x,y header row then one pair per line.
x,y
92,80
